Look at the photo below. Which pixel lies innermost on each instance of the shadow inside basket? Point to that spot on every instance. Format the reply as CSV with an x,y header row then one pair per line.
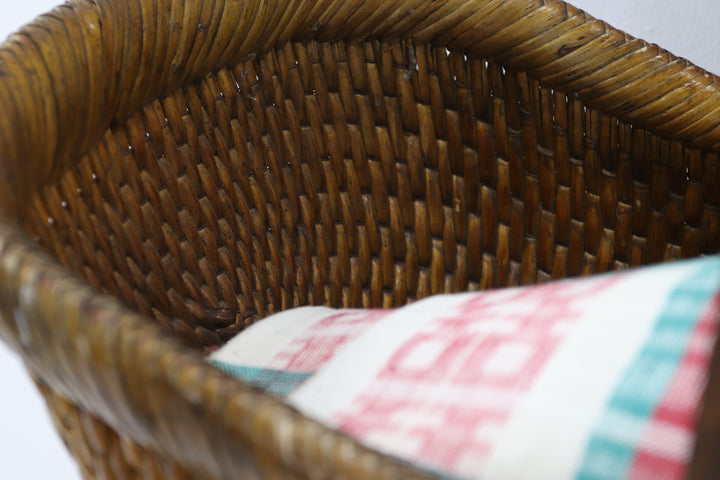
x,y
364,175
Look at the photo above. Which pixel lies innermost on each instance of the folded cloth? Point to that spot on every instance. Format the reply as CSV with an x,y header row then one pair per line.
x,y
600,377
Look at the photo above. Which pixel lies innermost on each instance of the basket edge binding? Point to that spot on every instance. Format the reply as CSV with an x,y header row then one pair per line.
x,y
121,369
115,72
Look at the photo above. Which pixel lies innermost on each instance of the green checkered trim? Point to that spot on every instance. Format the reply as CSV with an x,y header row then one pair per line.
x,y
279,383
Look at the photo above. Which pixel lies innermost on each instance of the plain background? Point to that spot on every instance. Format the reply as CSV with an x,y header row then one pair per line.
x,y
29,446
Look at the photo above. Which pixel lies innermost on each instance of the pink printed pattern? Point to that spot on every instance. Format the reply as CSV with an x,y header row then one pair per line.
x,y
672,428
483,356
319,343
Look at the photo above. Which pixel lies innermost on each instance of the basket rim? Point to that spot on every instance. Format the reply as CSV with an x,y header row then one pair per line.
x,y
115,73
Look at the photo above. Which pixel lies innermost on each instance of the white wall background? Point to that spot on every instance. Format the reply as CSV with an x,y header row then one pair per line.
x,y
29,446
687,29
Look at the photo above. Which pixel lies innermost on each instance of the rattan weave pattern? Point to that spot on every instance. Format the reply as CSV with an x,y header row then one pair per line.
x,y
206,163
368,174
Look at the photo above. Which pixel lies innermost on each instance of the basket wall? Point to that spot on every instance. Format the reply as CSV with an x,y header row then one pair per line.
x,y
366,175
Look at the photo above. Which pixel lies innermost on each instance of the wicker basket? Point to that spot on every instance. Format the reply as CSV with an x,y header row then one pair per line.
x,y
186,168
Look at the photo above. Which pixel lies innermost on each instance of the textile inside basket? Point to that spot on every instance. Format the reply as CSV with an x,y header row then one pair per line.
x,y
592,378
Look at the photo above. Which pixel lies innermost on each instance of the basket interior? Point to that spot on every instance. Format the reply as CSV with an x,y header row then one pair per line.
x,y
367,174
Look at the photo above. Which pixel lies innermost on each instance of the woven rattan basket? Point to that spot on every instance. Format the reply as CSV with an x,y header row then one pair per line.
x,y
175,170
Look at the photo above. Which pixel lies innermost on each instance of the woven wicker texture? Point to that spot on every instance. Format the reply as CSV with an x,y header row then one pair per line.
x,y
199,165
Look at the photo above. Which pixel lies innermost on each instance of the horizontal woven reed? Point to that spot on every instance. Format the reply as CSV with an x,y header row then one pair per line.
x,y
175,171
